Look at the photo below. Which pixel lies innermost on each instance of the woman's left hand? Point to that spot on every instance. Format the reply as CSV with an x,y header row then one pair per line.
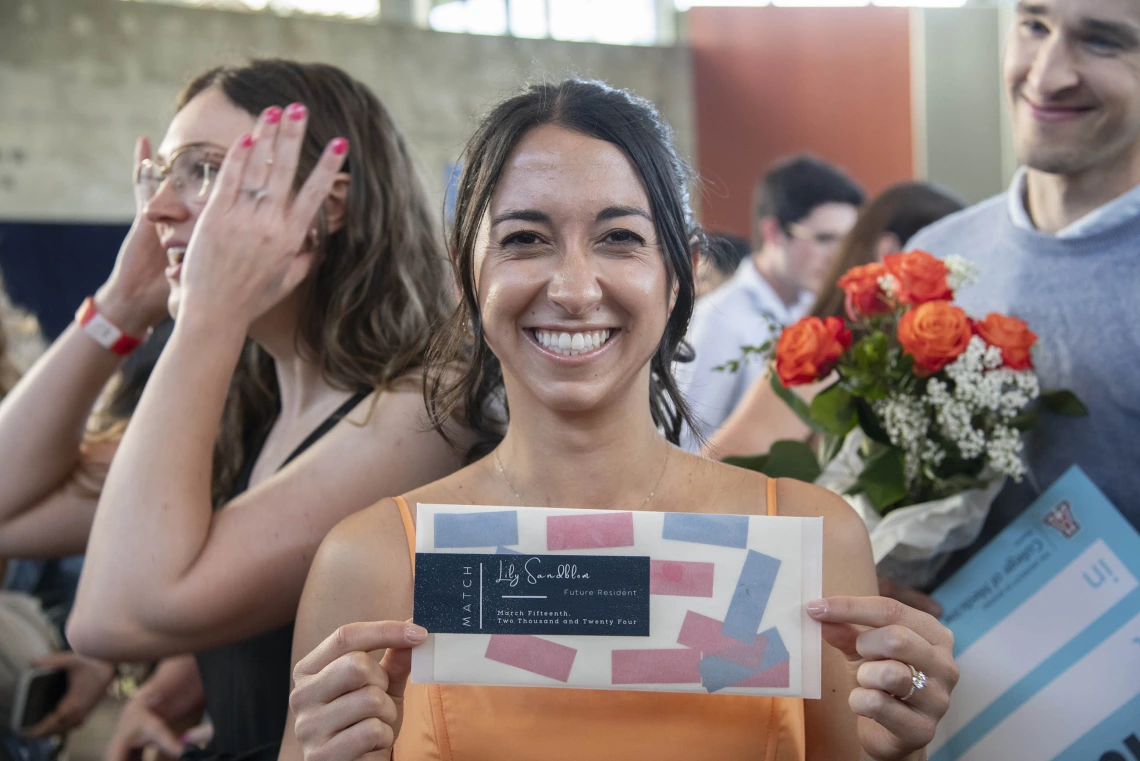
x,y
252,245
882,640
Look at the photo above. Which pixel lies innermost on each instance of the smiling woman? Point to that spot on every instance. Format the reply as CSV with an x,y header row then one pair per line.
x,y
282,224
573,220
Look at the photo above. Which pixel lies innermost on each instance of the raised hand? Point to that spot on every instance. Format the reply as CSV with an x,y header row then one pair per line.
x,y
252,244
882,640
134,296
345,704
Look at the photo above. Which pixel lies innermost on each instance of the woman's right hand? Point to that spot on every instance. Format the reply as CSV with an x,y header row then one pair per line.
x,y
344,703
140,726
134,296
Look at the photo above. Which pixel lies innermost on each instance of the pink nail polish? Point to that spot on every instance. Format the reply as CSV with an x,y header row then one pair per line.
x,y
272,115
297,112
817,607
339,146
246,140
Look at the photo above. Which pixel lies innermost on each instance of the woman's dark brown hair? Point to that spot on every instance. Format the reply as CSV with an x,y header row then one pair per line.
x,y
902,210
468,378
380,282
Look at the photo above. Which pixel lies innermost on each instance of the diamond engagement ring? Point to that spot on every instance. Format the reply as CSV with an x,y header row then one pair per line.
x,y
917,682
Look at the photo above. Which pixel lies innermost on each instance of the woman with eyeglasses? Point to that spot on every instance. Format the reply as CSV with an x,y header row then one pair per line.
x,y
282,224
574,248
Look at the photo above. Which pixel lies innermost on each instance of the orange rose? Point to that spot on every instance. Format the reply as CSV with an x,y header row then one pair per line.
x,y
934,333
1011,335
864,297
809,349
921,277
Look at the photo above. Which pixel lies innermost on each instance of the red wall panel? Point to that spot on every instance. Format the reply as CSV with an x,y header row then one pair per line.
x,y
770,81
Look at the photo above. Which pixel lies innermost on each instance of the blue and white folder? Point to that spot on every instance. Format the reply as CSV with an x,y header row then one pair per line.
x,y
1047,625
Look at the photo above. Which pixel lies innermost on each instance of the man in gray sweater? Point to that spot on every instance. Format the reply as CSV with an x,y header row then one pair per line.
x,y
1061,249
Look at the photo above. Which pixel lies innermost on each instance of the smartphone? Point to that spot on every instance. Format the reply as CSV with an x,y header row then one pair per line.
x,y
37,695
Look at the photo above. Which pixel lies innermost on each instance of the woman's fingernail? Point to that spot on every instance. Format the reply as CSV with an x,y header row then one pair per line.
x,y
246,140
817,607
415,633
297,112
339,146
272,114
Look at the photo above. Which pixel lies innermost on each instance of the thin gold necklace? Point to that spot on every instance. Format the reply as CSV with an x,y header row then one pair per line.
x,y
519,497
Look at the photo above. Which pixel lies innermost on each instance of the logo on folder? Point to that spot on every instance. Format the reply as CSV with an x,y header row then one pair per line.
x,y
1061,518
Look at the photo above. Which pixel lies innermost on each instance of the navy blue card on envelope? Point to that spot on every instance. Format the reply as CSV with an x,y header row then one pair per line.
x,y
599,595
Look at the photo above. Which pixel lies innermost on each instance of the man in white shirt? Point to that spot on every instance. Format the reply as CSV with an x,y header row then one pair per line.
x,y
802,209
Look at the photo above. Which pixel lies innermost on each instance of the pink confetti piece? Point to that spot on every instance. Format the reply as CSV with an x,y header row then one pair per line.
x,y
667,666
777,676
681,578
586,532
703,634
529,653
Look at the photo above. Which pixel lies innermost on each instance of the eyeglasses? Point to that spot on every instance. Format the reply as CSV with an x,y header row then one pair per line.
x,y
805,233
192,172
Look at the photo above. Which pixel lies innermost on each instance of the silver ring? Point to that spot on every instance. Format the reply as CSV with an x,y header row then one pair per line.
x,y
917,682
269,161
255,193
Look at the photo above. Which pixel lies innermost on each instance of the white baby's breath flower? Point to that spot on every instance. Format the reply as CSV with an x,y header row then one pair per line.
x,y
992,357
889,285
932,453
960,272
1003,453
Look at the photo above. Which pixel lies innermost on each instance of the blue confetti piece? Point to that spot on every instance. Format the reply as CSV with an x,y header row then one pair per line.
x,y
775,653
717,673
753,589
721,530
507,551
491,529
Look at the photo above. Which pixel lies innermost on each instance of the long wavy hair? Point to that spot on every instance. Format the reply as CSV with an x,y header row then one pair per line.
x,y
464,377
379,285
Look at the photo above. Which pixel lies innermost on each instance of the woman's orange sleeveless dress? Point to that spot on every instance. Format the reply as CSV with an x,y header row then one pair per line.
x,y
469,723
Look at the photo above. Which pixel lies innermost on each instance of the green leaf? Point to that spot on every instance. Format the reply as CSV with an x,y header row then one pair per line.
x,y
1026,420
833,409
786,459
1063,402
792,459
869,422
883,479
796,402
757,462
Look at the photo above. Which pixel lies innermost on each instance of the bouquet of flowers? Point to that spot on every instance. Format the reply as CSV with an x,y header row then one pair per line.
x,y
923,422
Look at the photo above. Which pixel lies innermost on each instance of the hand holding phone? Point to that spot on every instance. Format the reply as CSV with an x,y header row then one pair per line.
x,y
85,682
38,693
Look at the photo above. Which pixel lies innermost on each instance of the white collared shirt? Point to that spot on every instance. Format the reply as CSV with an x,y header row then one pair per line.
x,y
1106,217
737,314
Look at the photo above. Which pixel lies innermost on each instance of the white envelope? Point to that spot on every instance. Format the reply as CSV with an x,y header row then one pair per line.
x,y
725,611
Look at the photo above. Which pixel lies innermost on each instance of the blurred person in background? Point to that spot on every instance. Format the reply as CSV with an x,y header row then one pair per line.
x,y
720,258
803,208
1059,249
282,223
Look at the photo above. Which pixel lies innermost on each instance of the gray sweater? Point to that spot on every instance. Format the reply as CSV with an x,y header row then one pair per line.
x,y
1080,295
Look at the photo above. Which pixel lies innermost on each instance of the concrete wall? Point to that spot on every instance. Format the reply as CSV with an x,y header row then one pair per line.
x,y
80,79
959,111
